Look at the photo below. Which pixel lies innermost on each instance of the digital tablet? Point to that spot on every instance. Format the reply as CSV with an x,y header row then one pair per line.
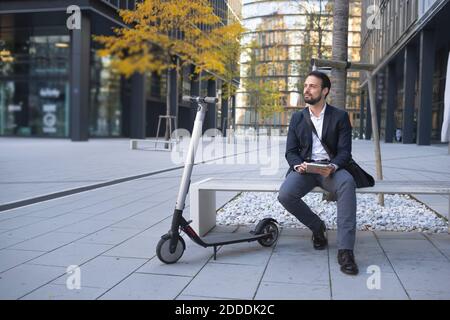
x,y
316,167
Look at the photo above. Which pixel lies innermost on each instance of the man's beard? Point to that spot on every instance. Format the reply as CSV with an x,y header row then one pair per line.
x,y
312,101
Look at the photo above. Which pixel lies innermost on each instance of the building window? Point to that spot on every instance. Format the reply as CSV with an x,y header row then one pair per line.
x,y
34,86
105,107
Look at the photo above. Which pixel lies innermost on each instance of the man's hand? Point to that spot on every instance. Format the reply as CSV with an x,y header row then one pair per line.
x,y
301,168
325,172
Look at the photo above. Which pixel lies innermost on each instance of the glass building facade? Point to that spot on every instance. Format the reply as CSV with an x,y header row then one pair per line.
x,y
399,38
281,39
34,84
53,84
36,65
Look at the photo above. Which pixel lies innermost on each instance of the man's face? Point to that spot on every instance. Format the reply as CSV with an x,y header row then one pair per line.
x,y
312,90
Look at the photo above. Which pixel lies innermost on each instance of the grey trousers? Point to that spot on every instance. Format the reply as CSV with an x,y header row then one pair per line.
x,y
341,183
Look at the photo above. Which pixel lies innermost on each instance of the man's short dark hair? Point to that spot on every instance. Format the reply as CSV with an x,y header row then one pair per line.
x,y
326,83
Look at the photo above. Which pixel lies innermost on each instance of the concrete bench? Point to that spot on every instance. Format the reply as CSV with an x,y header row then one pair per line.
x,y
203,194
155,144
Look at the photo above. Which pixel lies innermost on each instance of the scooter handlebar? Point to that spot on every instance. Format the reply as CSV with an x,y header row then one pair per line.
x,y
200,99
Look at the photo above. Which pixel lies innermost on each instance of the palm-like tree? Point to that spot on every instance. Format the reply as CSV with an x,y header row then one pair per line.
x,y
340,51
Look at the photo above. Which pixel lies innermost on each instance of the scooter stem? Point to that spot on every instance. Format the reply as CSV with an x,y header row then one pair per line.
x,y
189,164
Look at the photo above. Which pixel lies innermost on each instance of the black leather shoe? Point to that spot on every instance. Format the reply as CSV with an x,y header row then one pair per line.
x,y
346,260
319,239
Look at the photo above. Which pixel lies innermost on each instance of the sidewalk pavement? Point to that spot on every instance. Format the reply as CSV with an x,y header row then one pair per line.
x,y
111,232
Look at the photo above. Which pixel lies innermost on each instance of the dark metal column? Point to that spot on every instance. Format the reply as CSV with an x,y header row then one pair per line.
x,y
138,107
195,91
409,88
79,80
210,119
426,70
391,104
368,128
225,120
173,75
233,111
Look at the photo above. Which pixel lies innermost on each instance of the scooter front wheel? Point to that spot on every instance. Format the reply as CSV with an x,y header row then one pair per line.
x,y
163,250
271,228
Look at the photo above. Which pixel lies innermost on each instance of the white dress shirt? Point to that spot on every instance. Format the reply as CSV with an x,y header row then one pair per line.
x,y
318,151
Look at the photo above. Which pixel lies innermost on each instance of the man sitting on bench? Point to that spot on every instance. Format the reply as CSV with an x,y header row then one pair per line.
x,y
311,131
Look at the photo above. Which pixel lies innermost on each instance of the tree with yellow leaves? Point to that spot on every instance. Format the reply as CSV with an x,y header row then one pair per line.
x,y
168,34
231,51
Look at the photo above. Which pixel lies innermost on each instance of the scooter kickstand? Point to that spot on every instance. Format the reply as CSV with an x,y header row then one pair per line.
x,y
215,252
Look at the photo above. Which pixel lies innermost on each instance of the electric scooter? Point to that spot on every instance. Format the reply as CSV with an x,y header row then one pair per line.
x,y
171,246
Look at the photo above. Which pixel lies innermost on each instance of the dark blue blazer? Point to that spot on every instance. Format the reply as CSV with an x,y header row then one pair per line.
x,y
336,134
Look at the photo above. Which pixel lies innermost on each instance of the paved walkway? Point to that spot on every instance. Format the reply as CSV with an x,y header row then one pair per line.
x,y
111,233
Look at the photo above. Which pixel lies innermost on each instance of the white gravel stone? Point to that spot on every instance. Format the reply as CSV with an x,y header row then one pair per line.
x,y
400,213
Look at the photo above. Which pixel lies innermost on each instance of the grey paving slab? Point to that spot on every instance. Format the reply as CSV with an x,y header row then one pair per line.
x,y
226,281
366,257
142,245
425,275
193,260
300,269
52,212
11,258
7,240
105,272
87,201
399,235
8,214
18,222
295,232
75,253
25,278
47,242
36,207
244,253
87,226
363,239
141,286
442,242
298,246
109,235
61,292
292,291
429,295
442,209
128,211
411,249
367,251
46,226
169,194
345,287
106,206
143,220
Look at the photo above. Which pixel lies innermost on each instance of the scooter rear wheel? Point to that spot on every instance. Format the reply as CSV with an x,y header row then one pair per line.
x,y
272,228
163,250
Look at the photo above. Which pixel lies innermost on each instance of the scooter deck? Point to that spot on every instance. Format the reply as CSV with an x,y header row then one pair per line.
x,y
227,238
